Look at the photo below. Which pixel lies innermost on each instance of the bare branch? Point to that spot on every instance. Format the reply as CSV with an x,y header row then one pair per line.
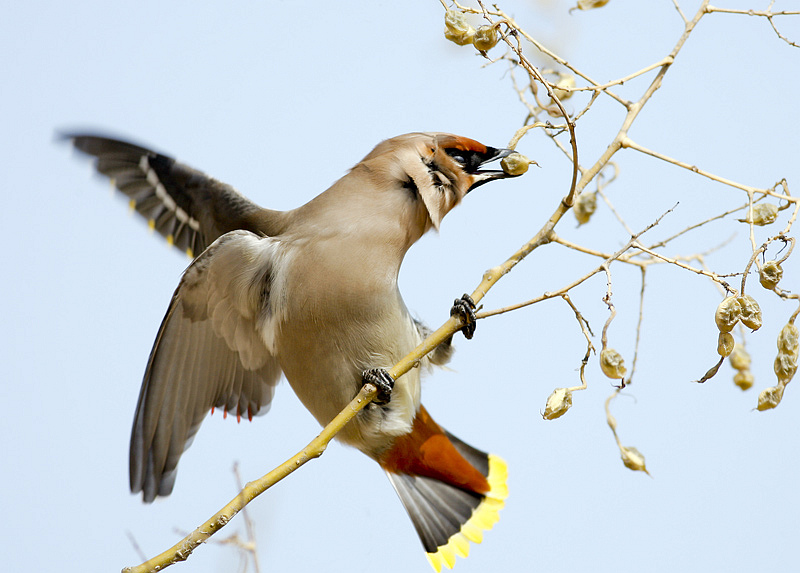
x,y
768,14
181,550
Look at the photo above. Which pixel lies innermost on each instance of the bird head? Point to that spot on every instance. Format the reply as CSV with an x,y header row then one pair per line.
x,y
437,168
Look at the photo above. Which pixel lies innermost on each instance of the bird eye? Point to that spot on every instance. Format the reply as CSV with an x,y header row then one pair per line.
x,y
458,155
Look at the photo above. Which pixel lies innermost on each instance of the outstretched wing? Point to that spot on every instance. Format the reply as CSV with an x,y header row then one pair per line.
x,y
189,208
209,353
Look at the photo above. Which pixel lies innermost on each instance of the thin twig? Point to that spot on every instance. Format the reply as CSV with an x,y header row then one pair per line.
x,y
635,360
630,144
181,550
713,276
496,272
251,546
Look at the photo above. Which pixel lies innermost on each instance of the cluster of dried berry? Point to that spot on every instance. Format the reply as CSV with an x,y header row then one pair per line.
x,y
458,30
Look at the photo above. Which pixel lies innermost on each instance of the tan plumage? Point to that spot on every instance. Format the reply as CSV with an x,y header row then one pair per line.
x,y
311,293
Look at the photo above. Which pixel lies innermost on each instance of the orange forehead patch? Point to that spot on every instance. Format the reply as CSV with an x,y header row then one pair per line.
x,y
462,143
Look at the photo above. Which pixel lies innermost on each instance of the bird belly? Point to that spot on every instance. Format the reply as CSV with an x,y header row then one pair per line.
x,y
324,362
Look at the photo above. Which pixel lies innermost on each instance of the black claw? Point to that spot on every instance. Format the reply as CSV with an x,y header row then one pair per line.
x,y
382,380
464,308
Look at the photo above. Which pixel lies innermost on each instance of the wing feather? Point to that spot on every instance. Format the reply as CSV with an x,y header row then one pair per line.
x,y
186,206
208,353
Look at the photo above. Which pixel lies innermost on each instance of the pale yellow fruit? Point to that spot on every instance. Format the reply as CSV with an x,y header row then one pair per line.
x,y
770,274
485,38
589,4
744,379
457,28
740,359
770,398
751,312
515,164
785,367
633,459
763,214
612,363
725,344
584,207
563,88
557,404
788,342
728,314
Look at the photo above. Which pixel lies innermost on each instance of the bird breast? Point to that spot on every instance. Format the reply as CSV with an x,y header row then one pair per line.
x,y
337,316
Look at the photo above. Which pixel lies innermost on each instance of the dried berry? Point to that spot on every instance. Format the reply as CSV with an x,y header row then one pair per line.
x,y
728,314
770,274
584,207
725,344
770,398
557,404
711,372
485,38
633,460
612,364
515,164
589,4
751,312
788,340
785,367
763,214
740,359
744,379
563,89
457,28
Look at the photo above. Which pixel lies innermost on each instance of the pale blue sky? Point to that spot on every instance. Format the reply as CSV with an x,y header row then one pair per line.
x,y
280,99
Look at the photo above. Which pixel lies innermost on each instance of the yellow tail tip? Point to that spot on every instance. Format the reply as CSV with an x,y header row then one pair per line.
x,y
482,519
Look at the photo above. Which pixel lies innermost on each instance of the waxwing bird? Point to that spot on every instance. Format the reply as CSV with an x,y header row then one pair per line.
x,y
311,293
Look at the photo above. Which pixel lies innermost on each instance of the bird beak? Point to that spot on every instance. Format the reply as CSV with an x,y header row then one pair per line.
x,y
481,176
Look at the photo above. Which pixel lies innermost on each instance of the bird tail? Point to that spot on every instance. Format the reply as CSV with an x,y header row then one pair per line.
x,y
452,491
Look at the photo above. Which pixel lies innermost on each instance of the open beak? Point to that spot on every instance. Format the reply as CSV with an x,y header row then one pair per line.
x,y
481,176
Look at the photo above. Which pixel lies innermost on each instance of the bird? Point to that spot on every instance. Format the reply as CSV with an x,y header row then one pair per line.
x,y
311,294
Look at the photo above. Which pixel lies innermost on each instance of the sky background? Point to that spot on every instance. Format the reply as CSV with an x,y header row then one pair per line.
x,y
280,99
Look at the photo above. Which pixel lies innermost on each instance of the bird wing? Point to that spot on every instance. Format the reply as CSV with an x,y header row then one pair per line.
x,y
189,208
209,352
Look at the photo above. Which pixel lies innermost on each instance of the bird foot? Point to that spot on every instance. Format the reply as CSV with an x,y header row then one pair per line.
x,y
382,380
464,308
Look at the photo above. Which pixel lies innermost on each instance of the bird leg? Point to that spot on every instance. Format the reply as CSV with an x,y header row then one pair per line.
x,y
382,380
464,308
